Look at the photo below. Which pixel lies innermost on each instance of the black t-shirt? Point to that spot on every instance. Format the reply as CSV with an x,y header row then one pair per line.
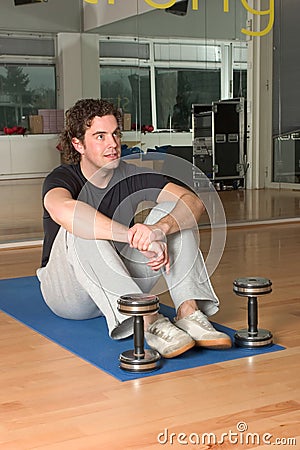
x,y
119,200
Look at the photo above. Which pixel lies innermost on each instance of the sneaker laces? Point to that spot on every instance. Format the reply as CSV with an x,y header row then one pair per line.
x,y
164,329
201,318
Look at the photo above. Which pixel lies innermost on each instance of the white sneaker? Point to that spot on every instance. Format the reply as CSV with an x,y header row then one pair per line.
x,y
201,330
167,339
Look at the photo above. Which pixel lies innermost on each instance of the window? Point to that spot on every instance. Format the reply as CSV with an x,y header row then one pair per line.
x,y
178,89
286,158
133,49
27,77
240,83
23,90
158,80
129,89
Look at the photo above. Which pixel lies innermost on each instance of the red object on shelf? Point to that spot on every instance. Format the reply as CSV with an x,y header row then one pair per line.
x,y
14,130
144,129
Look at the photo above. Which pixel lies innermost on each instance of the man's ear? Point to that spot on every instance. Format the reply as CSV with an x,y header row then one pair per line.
x,y
78,145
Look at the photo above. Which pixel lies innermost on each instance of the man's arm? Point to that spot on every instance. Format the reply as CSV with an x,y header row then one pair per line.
x,y
186,213
82,219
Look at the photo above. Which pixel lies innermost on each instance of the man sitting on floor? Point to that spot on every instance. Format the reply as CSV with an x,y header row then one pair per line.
x,y
93,251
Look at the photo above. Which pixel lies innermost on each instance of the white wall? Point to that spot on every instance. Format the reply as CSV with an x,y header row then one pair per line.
x,y
78,67
259,107
102,13
48,17
29,156
209,21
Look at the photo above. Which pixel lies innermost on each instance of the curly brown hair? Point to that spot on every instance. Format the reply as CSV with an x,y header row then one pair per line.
x,y
78,119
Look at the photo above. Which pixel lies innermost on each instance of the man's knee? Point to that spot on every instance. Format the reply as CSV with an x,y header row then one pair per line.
x,y
159,211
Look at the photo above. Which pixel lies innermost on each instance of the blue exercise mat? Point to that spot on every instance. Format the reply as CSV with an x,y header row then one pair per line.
x,y
21,298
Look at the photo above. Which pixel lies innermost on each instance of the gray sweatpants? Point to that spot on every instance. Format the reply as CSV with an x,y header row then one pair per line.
x,y
84,278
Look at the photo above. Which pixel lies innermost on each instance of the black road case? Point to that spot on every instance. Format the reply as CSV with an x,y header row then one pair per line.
x,y
219,144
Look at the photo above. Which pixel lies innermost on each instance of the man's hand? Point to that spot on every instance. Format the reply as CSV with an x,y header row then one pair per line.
x,y
158,256
151,241
140,236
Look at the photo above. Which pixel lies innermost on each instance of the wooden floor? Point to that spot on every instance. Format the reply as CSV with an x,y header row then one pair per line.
x,y
52,400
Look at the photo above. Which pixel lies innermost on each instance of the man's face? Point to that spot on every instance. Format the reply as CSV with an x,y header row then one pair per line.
x,y
102,145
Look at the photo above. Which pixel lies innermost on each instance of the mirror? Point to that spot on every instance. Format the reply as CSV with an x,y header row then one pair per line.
x,y
155,64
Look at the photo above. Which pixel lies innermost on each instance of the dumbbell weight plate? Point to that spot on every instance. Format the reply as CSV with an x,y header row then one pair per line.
x,y
252,286
130,362
262,338
138,304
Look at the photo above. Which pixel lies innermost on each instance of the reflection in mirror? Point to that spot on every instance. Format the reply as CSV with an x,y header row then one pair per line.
x,y
286,97
154,65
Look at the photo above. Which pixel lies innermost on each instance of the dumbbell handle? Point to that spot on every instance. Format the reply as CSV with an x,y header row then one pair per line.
x,y
252,315
138,329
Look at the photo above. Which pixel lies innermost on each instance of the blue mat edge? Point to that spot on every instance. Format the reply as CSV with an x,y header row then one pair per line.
x,y
129,376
